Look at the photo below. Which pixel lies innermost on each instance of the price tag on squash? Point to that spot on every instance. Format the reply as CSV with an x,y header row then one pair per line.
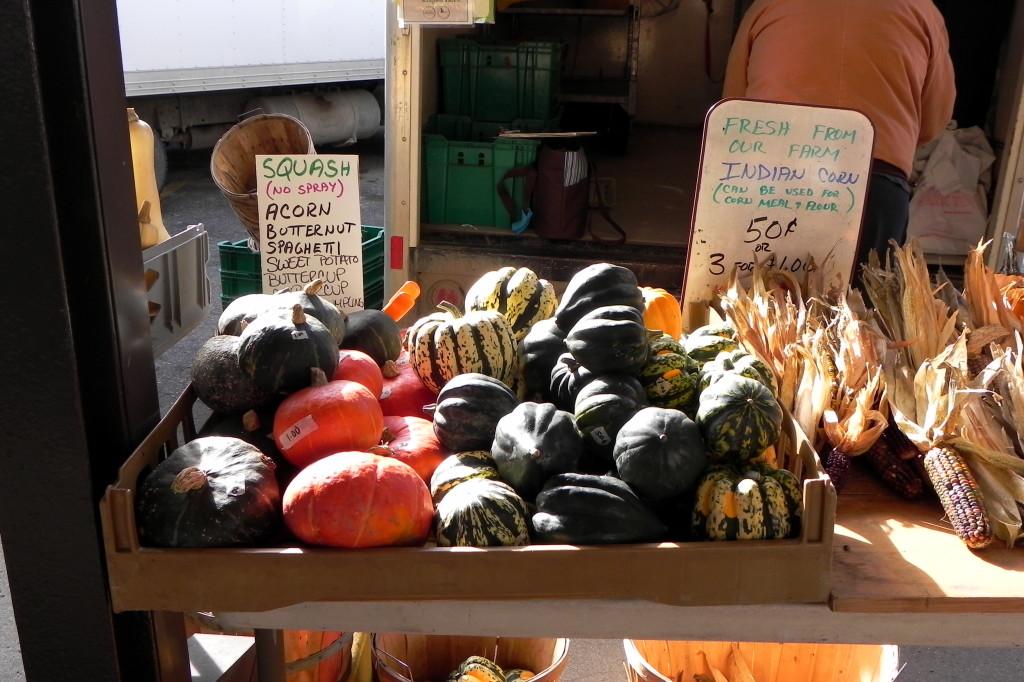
x,y
779,184
310,225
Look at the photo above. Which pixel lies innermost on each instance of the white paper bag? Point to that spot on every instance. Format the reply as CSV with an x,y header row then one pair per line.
x,y
949,207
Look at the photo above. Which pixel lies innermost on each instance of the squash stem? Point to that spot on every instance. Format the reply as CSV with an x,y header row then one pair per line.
x,y
450,308
390,369
298,315
250,421
317,377
314,287
189,479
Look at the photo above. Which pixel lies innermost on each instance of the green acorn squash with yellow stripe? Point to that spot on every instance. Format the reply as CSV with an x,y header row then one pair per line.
x,y
446,344
459,468
518,294
519,675
477,669
706,348
671,378
737,362
738,418
482,513
758,503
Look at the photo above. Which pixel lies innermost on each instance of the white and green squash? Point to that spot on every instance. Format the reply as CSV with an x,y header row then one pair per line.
x,y
517,293
755,503
482,513
445,344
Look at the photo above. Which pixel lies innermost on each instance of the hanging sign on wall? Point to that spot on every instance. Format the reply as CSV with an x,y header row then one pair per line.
x,y
779,184
310,224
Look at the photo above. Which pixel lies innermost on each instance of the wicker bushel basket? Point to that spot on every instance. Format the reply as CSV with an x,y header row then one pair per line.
x,y
664,661
233,163
431,658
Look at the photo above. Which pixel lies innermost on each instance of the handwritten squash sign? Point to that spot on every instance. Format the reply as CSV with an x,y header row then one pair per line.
x,y
779,184
310,224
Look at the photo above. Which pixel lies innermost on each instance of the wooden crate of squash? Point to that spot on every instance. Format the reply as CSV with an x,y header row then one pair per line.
x,y
349,461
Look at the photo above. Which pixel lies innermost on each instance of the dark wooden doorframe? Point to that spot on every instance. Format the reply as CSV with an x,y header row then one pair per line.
x,y
78,383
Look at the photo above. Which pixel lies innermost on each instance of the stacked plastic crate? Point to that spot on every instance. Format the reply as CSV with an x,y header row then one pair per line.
x,y
487,88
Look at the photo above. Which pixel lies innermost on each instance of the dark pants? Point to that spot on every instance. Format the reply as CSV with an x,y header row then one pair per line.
x,y
886,215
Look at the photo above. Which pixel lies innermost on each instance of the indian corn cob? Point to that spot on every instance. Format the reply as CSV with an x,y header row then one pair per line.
x,y
894,466
960,496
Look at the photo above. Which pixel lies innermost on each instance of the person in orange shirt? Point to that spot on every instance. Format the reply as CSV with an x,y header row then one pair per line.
x,y
888,59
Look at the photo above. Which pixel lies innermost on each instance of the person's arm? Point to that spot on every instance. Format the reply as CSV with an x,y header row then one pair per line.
x,y
939,92
735,84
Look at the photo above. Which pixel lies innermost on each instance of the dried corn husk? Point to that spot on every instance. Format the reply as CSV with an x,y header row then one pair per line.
x,y
913,315
989,444
855,425
984,298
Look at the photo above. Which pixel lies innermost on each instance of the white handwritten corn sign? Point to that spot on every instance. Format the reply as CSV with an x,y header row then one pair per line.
x,y
780,184
310,225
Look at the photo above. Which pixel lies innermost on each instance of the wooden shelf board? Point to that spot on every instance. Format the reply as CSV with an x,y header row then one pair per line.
x,y
894,556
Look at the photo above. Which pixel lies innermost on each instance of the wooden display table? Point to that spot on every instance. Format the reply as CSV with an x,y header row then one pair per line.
x,y
899,575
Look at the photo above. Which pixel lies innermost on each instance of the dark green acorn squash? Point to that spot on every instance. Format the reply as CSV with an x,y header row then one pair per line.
x,y
596,286
257,429
242,311
610,339
579,509
538,353
219,381
534,442
739,418
459,468
278,352
210,492
737,362
602,407
518,294
468,409
567,379
659,453
482,513
313,305
754,503
375,334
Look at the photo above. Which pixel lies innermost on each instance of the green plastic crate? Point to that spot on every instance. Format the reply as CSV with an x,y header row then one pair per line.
x,y
500,81
241,272
465,129
461,179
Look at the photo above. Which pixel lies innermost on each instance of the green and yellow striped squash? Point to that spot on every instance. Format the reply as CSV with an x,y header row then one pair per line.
x,y
482,513
739,418
477,669
519,675
706,348
759,503
446,344
671,378
737,362
716,329
518,294
663,343
459,468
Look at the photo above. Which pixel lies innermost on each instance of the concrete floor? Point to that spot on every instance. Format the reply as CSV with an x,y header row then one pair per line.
x,y
190,197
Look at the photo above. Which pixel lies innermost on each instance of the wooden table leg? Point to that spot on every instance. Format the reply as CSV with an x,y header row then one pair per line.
x,y
171,646
270,655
